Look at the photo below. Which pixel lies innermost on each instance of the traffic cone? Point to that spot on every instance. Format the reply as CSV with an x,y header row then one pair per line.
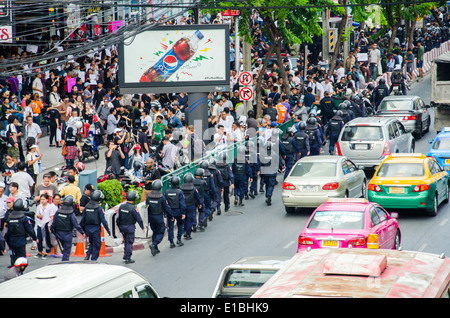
x,y
103,248
79,250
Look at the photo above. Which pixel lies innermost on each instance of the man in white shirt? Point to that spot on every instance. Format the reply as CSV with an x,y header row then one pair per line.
x,y
374,60
32,129
327,86
169,153
236,133
226,120
24,181
37,86
220,138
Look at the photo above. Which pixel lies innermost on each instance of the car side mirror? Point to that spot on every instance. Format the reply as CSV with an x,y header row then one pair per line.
x,y
394,215
430,141
408,130
361,167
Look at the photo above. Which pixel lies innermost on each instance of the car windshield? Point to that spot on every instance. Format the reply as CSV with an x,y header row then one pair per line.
x,y
401,170
247,278
396,105
442,144
362,133
337,220
314,169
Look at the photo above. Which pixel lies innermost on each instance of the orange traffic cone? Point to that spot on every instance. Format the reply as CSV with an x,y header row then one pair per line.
x,y
103,248
79,250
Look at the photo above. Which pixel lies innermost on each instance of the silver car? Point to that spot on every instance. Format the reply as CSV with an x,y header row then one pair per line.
x,y
369,140
315,179
410,110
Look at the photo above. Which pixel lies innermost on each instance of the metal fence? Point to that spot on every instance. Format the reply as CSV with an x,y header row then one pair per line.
x,y
230,151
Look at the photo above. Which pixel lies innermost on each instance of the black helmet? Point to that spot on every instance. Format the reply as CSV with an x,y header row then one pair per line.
x,y
132,196
18,205
68,200
222,157
175,181
302,125
188,178
97,196
342,106
157,185
382,81
199,172
339,113
311,121
204,164
370,86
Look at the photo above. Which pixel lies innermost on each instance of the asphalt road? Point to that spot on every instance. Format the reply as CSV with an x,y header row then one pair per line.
x,y
192,271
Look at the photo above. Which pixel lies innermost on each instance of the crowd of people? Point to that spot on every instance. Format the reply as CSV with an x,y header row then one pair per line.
x,y
153,129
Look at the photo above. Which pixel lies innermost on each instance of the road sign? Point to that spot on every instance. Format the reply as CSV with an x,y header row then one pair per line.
x,y
245,78
246,93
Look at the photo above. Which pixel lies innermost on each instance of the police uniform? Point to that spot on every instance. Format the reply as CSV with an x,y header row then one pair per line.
x,y
64,221
228,179
241,172
91,222
210,192
253,163
315,139
175,199
127,218
288,149
218,182
157,208
269,161
333,130
19,225
193,200
302,141
200,185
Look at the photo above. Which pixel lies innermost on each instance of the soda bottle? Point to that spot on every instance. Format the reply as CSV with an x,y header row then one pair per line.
x,y
181,52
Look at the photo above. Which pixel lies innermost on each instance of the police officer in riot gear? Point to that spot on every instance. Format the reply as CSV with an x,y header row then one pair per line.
x,y
91,222
228,178
210,191
64,221
241,172
269,162
175,199
289,149
315,139
302,140
253,162
193,200
200,185
19,225
127,218
380,92
333,130
158,209
218,182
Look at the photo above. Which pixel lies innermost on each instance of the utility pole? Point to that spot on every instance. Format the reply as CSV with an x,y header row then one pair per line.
x,y
247,52
326,36
237,46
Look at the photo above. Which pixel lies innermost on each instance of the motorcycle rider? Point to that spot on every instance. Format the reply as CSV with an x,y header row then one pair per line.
x,y
398,78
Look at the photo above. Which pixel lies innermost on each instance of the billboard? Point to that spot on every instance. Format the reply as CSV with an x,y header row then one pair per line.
x,y
181,58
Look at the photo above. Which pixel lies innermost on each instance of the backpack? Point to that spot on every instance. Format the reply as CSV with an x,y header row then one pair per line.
x,y
272,112
312,136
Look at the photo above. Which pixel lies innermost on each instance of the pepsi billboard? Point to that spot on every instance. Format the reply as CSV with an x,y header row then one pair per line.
x,y
171,59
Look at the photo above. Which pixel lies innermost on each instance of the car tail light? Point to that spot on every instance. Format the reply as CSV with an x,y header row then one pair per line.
x,y
386,149
409,118
374,187
421,187
357,241
288,186
372,241
303,240
338,148
331,186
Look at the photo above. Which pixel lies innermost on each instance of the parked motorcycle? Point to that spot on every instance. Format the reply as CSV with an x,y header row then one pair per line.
x,y
89,148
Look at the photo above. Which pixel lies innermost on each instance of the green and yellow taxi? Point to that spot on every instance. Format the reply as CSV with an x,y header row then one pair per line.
x,y
409,181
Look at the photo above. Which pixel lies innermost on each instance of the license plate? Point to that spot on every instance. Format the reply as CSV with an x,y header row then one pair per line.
x,y
396,190
330,243
309,188
361,147
447,161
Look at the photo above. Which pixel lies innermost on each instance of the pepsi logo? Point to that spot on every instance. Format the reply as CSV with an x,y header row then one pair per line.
x,y
170,62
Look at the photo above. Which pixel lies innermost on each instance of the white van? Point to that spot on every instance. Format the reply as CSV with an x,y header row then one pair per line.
x,y
243,278
78,280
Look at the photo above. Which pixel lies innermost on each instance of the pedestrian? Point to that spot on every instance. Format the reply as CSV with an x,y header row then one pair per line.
x,y
18,225
302,140
128,216
17,270
44,215
23,181
150,173
71,189
113,157
200,185
175,199
158,210
241,173
210,191
73,147
91,221
86,196
193,201
334,129
8,169
289,149
13,138
64,221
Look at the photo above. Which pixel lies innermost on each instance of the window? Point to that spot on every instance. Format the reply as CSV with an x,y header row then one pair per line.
x,y
391,132
401,128
374,217
382,214
337,220
145,291
345,167
127,294
401,170
362,133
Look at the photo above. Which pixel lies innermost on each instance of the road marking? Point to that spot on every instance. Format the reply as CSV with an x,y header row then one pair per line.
x,y
443,222
424,245
288,244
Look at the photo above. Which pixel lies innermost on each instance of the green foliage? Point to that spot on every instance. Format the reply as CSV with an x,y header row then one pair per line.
x,y
113,192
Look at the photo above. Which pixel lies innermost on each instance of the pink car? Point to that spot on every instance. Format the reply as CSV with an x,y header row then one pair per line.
x,y
357,223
